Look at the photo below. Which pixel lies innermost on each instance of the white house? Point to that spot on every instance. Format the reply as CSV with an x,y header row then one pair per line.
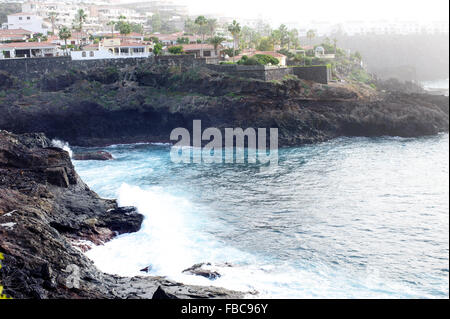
x,y
28,50
113,49
27,21
319,52
208,50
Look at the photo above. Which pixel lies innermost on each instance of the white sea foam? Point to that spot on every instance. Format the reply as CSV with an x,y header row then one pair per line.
x,y
62,145
173,238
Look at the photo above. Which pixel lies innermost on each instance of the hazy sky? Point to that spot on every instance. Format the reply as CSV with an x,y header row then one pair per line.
x,y
336,10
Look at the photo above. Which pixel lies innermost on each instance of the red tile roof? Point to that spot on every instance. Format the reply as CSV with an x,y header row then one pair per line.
x,y
133,35
122,44
27,45
15,31
91,46
22,14
174,36
307,47
132,44
194,47
6,36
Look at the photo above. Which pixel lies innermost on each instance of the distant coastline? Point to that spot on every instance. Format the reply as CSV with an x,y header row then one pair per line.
x,y
440,86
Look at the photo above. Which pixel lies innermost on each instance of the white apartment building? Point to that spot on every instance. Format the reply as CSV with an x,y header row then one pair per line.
x,y
112,13
27,21
98,13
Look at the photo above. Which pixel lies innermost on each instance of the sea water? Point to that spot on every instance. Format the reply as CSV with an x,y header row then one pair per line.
x,y
349,218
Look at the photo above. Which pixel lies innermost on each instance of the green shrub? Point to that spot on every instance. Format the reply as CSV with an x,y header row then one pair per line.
x,y
178,49
360,76
258,59
183,40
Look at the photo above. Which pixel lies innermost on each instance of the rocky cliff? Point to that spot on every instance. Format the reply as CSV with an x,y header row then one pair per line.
x,y
47,215
145,102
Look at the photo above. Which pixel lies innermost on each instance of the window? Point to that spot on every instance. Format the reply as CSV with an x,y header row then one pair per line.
x,y
91,54
20,18
83,54
28,18
206,53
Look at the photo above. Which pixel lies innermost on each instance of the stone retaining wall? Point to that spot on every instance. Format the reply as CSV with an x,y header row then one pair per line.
x,y
33,68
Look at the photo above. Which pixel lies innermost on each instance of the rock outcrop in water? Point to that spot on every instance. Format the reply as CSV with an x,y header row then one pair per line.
x,y
144,104
48,216
93,156
201,270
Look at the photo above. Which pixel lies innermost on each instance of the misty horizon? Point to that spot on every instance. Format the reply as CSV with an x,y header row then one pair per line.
x,y
330,11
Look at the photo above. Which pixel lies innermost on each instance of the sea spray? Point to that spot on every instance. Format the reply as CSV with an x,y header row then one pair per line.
x,y
310,229
62,145
172,239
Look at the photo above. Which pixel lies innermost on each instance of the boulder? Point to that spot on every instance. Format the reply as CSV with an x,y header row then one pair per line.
x,y
93,156
199,270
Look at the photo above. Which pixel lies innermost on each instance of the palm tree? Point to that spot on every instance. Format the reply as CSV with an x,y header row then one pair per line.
x,y
276,37
112,24
212,26
235,30
80,19
293,39
311,34
216,41
52,17
284,35
335,45
65,34
201,21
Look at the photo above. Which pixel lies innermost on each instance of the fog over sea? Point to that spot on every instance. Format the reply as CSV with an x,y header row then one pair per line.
x,y
352,217
437,85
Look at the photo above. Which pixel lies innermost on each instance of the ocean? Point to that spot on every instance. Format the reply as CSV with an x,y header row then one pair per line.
x,y
439,86
348,218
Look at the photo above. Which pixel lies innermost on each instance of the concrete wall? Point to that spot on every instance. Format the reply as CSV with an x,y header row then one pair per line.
x,y
33,68
319,74
36,67
260,72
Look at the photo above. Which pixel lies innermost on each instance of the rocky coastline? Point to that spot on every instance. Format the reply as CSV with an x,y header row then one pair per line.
x,y
145,103
47,217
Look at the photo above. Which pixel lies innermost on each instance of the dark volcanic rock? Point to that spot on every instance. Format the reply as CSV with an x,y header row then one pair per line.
x,y
93,156
86,112
146,269
57,176
121,220
199,270
46,215
161,294
7,81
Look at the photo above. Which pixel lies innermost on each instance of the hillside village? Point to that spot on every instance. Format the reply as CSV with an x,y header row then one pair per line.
x,y
110,30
